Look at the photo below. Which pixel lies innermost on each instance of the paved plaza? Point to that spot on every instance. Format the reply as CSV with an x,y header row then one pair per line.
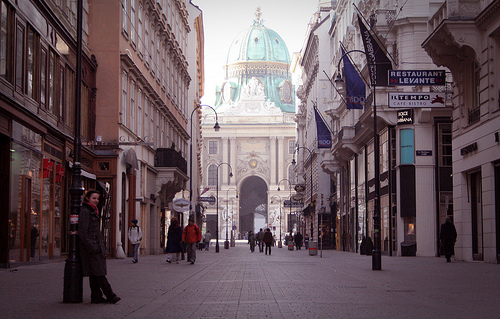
x,y
236,283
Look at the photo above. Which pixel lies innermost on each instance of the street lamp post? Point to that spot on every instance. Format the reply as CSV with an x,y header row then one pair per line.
x,y
290,189
311,182
376,254
217,206
280,245
216,128
226,243
73,279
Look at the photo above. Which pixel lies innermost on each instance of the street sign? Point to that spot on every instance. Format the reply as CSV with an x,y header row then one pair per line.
x,y
417,77
416,99
210,199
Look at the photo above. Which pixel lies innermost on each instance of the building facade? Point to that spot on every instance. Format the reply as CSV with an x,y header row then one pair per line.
x,y
255,109
415,192
37,116
464,37
142,110
314,91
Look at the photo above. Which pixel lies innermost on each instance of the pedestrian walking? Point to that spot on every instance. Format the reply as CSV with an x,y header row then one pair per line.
x,y
190,236
135,237
448,237
207,239
268,240
260,236
174,239
252,241
92,250
298,240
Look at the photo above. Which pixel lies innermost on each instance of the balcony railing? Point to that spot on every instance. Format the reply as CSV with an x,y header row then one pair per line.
x,y
168,157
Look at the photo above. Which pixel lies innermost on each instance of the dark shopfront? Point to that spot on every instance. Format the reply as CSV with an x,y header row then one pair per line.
x,y
36,174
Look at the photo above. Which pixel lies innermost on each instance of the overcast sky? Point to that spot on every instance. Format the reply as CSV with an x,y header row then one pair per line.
x,y
223,20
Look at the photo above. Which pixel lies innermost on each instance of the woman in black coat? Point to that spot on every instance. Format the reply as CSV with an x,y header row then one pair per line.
x,y
448,236
174,239
92,250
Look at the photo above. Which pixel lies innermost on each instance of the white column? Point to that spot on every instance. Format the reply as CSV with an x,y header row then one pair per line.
x,y
280,158
225,154
232,157
273,159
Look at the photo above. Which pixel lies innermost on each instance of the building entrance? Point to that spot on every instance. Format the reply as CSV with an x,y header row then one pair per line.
x,y
253,207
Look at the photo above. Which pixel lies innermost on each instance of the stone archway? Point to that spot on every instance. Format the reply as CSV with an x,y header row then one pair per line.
x,y
253,204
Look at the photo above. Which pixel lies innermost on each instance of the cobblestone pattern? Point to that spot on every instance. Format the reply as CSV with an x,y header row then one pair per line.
x,y
288,284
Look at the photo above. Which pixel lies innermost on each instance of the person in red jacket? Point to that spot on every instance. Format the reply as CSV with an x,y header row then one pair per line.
x,y
190,236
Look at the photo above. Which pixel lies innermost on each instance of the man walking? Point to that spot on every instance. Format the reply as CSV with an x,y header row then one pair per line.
x,y
207,239
191,235
260,237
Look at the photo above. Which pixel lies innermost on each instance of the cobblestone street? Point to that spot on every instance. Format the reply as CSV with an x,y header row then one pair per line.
x,y
288,284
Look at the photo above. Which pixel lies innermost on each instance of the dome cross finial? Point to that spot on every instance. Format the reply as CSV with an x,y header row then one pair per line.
x,y
258,14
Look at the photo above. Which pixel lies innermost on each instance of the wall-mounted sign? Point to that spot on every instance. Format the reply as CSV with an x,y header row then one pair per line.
x,y
423,153
468,149
416,99
417,77
405,116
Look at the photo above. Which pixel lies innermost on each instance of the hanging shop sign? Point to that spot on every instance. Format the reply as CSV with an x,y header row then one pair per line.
x,y
416,99
417,77
287,203
300,188
405,117
180,205
209,199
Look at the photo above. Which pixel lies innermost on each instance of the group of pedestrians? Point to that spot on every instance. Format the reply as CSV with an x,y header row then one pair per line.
x,y
262,238
178,238
294,240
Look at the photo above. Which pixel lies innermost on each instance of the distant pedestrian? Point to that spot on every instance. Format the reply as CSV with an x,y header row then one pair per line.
x,y
298,240
135,237
448,237
260,236
92,250
252,241
207,239
174,239
268,240
190,236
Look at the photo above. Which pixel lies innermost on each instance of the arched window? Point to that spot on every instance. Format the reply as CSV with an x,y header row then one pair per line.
x,y
212,175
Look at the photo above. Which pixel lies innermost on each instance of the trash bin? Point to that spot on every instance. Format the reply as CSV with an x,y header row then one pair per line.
x,y
280,244
408,248
313,248
290,245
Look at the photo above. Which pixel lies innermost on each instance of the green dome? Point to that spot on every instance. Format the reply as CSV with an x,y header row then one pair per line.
x,y
258,43
258,58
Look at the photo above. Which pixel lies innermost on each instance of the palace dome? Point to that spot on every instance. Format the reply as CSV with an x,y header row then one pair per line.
x,y
258,43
